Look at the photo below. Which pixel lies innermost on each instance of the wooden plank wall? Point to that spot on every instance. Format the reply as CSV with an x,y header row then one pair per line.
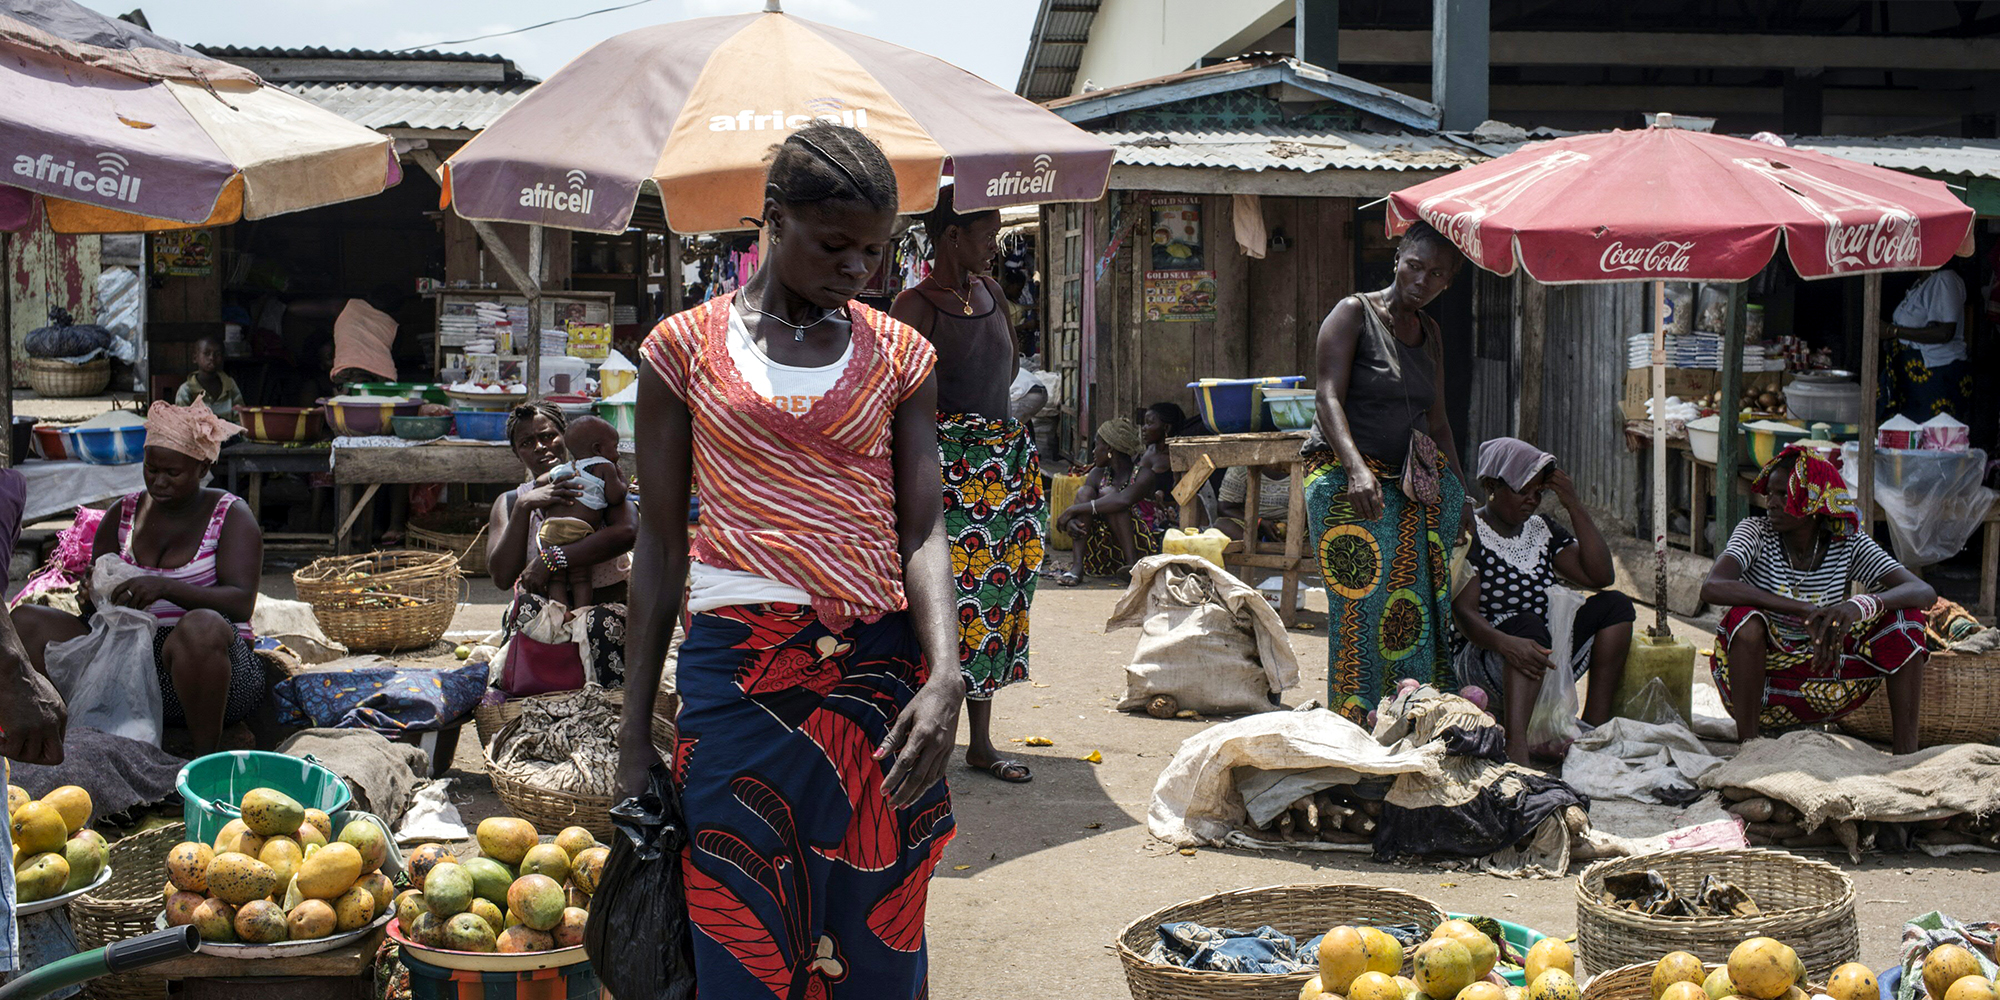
x,y
1292,291
46,270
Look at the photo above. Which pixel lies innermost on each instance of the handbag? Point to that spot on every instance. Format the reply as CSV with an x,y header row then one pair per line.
x,y
536,667
1420,477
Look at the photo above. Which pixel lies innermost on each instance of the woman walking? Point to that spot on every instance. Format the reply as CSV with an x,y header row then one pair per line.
x,y
813,730
1384,493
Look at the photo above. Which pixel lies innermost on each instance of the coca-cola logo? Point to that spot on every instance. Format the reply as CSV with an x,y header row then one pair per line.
x,y
1664,257
1462,228
1891,240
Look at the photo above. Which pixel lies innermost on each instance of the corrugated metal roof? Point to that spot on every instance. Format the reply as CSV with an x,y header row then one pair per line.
x,y
322,52
1925,154
1055,48
1301,150
391,105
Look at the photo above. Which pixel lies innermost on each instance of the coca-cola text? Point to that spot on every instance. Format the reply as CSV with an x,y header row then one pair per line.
x,y
1664,257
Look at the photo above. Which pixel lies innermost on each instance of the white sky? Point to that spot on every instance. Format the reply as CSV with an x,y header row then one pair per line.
x,y
988,37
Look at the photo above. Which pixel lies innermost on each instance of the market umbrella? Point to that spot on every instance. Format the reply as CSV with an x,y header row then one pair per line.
x,y
116,129
1668,204
697,105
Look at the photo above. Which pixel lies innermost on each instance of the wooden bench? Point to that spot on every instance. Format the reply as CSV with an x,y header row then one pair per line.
x,y
1197,458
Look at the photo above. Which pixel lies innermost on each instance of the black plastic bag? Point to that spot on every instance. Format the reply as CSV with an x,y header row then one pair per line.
x,y
638,937
65,338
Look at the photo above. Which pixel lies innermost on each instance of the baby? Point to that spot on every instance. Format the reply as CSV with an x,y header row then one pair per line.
x,y
593,449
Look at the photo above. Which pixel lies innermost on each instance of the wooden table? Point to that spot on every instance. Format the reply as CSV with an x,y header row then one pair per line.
x,y
1199,457
343,973
248,463
359,473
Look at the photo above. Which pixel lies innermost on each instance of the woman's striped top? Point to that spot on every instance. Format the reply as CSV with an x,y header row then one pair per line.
x,y
1853,563
805,499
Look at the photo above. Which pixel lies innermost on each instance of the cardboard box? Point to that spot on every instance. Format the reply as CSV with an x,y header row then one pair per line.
x,y
1687,383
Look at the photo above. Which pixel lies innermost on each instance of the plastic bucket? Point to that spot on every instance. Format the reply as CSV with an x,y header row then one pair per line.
x,y
433,982
211,787
1519,940
1236,405
481,425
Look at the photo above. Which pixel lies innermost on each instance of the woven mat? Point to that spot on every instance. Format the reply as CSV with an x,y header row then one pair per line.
x,y
1832,778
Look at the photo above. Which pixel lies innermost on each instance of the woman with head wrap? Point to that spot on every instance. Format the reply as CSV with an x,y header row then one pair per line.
x,y
1819,615
199,553
1515,558
1120,516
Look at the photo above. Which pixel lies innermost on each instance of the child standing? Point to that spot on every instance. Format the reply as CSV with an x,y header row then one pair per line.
x,y
593,449
210,382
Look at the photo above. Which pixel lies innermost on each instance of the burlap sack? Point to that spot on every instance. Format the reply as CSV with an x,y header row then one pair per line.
x,y
1830,778
1208,639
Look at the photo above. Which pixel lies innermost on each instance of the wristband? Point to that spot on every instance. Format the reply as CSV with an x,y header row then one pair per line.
x,y
1869,604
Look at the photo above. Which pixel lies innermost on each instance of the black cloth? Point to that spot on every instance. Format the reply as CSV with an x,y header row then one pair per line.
x,y
1390,390
246,680
1599,612
1506,805
120,774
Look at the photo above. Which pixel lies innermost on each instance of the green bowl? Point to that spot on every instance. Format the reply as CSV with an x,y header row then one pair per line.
x,y
421,428
1519,940
426,391
212,786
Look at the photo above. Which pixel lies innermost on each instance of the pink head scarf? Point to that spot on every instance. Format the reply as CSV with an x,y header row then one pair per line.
x,y
193,430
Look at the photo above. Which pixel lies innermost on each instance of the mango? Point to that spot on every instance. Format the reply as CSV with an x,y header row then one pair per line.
x,y
96,838
37,828
379,886
181,905
330,871
1483,990
506,839
1385,953
309,836
1342,958
244,842
587,869
16,798
1482,949
521,938
425,858
239,878
576,897
486,910
319,820
367,838
1677,967
43,877
86,862
354,909
1546,954
1853,981
1761,968
575,840
227,837
1443,966
428,930
284,855
1684,990
490,879
1972,988
187,866
261,921
569,932
1555,984
1947,964
449,889
1372,985
546,859
538,900
1717,985
469,932
409,905
269,812
215,920
73,803
311,920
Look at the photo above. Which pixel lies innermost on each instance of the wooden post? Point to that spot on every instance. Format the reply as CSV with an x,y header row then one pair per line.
x,y
1871,363
537,268
1531,356
1728,441
1660,629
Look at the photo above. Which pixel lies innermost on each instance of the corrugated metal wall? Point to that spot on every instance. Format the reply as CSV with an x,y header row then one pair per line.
x,y
1581,388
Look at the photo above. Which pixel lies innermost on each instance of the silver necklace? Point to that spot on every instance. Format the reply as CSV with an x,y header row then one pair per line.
x,y
798,331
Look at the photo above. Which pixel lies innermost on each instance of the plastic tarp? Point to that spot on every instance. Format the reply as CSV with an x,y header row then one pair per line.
x,y
1933,500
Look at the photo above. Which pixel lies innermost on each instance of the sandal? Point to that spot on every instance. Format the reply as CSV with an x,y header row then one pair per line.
x,y
1068,578
1012,772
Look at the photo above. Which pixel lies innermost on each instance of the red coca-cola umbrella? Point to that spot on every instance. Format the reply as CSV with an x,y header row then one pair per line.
x,y
1669,204
1676,205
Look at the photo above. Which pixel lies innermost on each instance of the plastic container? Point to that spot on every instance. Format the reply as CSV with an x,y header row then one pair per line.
x,y
367,419
425,391
1671,660
1833,400
1235,405
420,428
49,442
1519,940
622,416
435,982
106,445
211,787
1207,544
1290,409
481,425
1705,437
281,424
1766,438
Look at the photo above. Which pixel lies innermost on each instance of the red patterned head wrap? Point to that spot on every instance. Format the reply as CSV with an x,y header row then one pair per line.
x,y
1815,489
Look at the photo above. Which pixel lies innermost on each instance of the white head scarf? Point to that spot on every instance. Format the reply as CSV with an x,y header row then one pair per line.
x,y
1512,461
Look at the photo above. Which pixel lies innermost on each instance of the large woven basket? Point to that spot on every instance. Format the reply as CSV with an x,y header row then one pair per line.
x,y
1960,703
433,532
1635,982
50,377
339,587
1807,904
488,720
549,809
126,907
1303,911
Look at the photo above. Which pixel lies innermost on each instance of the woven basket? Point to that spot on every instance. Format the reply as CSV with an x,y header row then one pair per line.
x,y
1635,982
330,585
126,907
1807,904
1062,493
549,809
49,377
1303,911
1960,703
426,532
488,720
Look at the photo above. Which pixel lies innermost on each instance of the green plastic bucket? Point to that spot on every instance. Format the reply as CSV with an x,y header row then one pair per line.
x,y
1519,940
435,982
211,787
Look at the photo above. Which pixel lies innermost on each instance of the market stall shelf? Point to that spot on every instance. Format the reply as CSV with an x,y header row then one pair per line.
x,y
244,468
339,973
1205,455
359,473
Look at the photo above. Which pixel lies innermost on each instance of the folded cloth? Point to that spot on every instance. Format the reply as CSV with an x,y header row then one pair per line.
x,y
120,774
373,693
1627,759
564,531
1219,949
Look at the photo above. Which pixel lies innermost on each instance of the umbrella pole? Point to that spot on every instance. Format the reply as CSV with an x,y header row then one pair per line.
x,y
1871,362
1660,630
1728,440
536,269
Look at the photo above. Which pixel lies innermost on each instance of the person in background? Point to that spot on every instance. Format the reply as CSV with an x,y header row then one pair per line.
x,y
592,443
1819,615
200,554
1122,522
209,382
1516,556
1926,372
1274,502
995,512
1384,492
1113,448
819,678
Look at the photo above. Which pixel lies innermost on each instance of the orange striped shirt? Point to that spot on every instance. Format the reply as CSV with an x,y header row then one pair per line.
x,y
805,499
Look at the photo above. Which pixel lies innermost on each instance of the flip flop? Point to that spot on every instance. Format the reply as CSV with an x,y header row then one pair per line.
x,y
1067,578
1012,772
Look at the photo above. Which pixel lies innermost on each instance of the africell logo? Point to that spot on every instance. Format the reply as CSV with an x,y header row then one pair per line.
x,y
1018,182
1461,212
1862,231
574,195
1664,257
823,109
109,180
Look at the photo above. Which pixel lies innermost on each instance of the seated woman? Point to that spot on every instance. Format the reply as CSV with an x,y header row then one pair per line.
x,y
200,553
1515,556
1819,615
1274,502
1121,521
516,558
1114,445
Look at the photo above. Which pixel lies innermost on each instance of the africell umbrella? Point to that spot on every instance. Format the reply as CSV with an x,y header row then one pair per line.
x,y
120,130
1677,205
697,105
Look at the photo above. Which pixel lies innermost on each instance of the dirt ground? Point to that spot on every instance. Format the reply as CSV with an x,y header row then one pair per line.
x,y
1042,877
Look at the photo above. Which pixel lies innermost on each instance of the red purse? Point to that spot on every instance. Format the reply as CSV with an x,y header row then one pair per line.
x,y
535,667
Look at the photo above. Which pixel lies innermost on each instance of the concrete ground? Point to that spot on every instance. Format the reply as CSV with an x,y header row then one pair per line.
x,y
1042,877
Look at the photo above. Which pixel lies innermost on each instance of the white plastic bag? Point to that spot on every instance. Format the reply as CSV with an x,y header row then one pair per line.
x,y
1933,500
107,677
1552,726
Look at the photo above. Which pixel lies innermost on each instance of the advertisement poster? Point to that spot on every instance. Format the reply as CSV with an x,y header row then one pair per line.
x,y
1180,296
184,254
1177,236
